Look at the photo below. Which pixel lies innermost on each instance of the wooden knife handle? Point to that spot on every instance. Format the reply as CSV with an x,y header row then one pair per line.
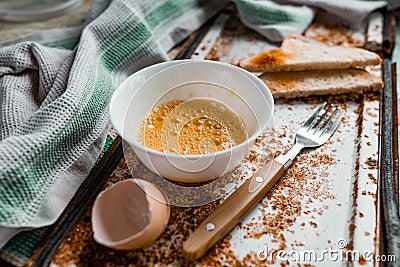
x,y
231,211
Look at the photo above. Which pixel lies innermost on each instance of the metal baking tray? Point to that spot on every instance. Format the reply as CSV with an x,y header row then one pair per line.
x,y
325,210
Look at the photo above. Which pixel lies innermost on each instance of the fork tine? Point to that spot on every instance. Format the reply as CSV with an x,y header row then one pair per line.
x,y
334,125
321,118
314,116
325,125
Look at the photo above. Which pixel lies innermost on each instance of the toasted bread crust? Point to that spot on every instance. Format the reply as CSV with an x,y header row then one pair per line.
x,y
301,53
320,82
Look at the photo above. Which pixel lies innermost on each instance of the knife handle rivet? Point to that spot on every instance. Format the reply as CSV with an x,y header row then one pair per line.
x,y
210,227
259,179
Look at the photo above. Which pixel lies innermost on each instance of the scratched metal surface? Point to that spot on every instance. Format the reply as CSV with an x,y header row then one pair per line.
x,y
323,209
341,217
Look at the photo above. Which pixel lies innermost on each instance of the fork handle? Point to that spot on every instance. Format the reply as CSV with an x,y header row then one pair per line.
x,y
232,210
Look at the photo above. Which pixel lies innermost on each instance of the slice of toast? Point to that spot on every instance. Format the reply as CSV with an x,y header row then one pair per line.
x,y
320,82
301,53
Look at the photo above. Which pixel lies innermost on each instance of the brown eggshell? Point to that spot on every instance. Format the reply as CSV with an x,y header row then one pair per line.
x,y
129,214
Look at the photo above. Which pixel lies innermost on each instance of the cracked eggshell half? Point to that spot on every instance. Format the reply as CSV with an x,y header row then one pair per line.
x,y
129,214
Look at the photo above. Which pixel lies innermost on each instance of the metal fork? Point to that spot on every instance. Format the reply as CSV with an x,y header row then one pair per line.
x,y
315,132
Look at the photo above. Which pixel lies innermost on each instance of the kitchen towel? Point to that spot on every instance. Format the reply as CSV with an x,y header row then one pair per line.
x,y
277,19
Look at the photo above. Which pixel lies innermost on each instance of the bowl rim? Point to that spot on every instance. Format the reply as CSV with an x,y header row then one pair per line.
x,y
267,94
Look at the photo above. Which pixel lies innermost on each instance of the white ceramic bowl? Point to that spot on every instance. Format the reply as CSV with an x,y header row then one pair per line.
x,y
240,90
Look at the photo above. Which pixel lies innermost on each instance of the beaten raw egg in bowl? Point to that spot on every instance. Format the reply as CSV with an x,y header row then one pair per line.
x,y
191,120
